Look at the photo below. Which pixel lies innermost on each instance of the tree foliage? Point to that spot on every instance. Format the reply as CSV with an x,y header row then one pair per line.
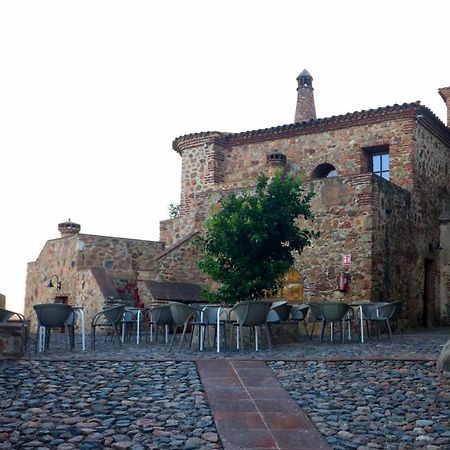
x,y
248,246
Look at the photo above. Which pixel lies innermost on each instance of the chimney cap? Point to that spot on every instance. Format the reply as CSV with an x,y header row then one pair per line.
x,y
68,227
304,74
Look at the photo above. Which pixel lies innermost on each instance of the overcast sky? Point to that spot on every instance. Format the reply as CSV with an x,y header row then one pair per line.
x,y
92,94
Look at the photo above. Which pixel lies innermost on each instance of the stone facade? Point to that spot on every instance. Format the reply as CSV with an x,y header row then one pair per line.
x,y
387,226
393,229
84,264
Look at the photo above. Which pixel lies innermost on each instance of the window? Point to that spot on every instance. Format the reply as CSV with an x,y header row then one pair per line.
x,y
379,160
325,170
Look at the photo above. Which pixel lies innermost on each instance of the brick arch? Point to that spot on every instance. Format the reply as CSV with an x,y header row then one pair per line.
x,y
325,170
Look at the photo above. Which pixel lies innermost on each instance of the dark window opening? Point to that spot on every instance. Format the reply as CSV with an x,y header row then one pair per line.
x,y
379,161
325,170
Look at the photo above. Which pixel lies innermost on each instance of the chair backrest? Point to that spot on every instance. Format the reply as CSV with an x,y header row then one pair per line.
x,y
385,311
161,315
210,314
369,310
299,312
181,312
316,310
114,314
252,312
6,316
279,311
333,311
54,314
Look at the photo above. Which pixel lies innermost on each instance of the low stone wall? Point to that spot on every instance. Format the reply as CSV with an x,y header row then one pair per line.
x,y
12,340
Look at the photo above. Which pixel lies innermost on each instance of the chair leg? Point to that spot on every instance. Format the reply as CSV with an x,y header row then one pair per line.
x,y
312,331
306,328
93,338
389,328
269,340
173,337
241,337
182,336
322,330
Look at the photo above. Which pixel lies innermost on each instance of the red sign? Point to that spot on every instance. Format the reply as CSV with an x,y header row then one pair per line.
x,y
346,261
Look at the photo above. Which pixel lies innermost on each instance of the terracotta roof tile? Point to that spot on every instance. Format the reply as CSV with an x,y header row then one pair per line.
x,y
310,126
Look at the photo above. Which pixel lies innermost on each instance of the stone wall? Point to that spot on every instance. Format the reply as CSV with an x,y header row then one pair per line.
x,y
121,259
385,226
179,263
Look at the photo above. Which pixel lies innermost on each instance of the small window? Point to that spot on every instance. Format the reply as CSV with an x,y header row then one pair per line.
x,y
325,170
379,161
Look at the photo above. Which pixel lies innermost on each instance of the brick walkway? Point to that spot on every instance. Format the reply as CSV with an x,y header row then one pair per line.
x,y
252,410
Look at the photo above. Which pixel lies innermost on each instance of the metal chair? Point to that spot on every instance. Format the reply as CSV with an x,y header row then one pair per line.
x,y
316,315
299,313
382,313
159,316
278,312
252,314
7,316
53,315
183,315
110,318
334,312
206,318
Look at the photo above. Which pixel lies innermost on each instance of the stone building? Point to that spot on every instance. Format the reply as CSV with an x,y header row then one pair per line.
x,y
382,204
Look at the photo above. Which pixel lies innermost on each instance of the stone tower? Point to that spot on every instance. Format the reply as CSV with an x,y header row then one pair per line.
x,y
305,109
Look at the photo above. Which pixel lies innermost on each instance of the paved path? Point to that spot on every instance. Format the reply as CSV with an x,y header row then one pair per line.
x,y
253,411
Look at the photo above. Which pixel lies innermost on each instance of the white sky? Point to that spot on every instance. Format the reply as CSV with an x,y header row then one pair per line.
x,y
92,93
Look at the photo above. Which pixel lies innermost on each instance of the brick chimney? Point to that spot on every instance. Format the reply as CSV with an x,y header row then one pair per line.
x,y
68,228
445,94
275,161
305,109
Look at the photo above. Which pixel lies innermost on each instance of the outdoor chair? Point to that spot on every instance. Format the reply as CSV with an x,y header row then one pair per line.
x,y
53,315
382,314
316,315
251,314
159,316
299,313
109,318
278,312
206,317
331,313
183,315
12,317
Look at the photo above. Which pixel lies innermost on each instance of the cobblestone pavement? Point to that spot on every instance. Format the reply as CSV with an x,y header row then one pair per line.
x,y
381,394
98,405
372,404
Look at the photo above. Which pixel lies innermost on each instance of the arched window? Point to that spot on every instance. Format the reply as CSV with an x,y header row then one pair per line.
x,y
324,170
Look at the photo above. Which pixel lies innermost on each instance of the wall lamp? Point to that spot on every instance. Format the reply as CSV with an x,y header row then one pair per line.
x,y
435,246
58,283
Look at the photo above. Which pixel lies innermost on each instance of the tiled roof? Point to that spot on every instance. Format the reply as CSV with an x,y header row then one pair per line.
x,y
175,291
311,126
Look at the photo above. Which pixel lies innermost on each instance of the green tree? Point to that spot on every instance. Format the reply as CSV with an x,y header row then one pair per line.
x,y
248,246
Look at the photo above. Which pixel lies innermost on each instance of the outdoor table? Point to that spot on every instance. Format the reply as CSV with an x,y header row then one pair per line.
x,y
220,310
138,323
360,305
